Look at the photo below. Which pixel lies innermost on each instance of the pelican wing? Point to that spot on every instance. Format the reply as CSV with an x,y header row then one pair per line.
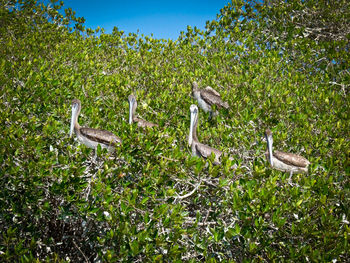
x,y
100,136
143,123
211,97
211,90
205,151
291,159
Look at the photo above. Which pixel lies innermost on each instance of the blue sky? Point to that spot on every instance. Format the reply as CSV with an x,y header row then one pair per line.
x,y
165,19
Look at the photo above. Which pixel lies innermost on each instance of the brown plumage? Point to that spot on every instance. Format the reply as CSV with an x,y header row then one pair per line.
x,y
199,149
132,118
287,162
291,159
208,97
88,136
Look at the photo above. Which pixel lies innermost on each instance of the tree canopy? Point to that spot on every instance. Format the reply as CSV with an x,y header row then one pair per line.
x,y
282,65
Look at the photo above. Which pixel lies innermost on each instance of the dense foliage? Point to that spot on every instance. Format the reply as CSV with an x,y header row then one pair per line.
x,y
279,64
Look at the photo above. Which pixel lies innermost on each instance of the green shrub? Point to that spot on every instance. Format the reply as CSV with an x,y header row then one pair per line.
x,y
151,200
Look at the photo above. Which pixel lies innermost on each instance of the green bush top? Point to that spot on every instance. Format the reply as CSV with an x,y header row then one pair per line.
x,y
282,65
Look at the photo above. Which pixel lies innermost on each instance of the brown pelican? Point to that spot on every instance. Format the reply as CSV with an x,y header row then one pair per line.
x,y
208,97
88,136
199,149
133,118
286,162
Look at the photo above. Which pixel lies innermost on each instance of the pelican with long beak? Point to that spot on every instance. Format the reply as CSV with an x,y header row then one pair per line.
x,y
199,149
88,136
286,162
132,116
208,97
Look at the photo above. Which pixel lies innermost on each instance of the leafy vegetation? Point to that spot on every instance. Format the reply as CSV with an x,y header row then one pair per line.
x,y
150,200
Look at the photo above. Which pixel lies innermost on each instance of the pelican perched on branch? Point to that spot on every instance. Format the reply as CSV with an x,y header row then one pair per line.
x,y
199,149
286,162
133,118
208,97
88,136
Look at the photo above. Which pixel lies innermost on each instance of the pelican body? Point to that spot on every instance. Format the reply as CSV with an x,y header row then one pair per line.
x,y
88,136
208,97
286,162
199,149
132,116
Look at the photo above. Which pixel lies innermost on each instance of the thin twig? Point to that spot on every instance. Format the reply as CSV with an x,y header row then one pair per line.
x,y
86,259
190,193
201,223
169,159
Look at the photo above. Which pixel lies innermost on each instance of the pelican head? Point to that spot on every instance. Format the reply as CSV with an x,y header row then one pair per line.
x,y
132,107
194,85
195,91
269,140
76,105
194,113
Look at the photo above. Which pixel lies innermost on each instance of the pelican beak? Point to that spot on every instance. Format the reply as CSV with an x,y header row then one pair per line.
x,y
269,147
73,119
190,136
130,111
